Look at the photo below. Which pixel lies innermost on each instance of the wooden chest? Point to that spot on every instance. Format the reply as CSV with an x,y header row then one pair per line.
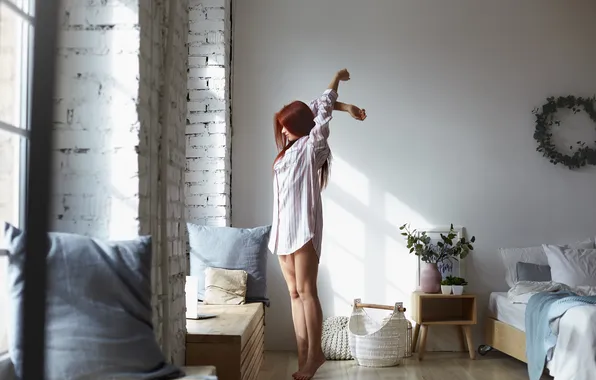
x,y
233,342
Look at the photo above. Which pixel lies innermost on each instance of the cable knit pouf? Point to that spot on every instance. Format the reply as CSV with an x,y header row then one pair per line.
x,y
335,339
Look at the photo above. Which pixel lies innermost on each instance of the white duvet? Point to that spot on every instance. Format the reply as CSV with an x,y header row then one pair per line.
x,y
574,355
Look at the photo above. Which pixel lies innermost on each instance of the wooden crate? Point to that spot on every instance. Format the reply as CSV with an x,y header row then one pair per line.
x,y
233,342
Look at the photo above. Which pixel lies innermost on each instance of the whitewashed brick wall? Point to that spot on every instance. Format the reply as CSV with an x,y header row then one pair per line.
x,y
108,125
208,129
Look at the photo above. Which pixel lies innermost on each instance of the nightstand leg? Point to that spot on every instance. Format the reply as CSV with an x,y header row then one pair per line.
x,y
468,334
422,342
415,338
462,338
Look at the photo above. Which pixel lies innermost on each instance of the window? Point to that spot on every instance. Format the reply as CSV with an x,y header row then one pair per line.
x,y
16,32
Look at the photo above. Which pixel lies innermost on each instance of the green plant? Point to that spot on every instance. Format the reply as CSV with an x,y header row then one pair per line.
x,y
449,247
446,282
458,281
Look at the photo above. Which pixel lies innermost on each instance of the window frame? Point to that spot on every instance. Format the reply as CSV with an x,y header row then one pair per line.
x,y
23,132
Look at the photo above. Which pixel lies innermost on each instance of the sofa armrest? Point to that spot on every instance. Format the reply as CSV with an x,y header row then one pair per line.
x,y
6,368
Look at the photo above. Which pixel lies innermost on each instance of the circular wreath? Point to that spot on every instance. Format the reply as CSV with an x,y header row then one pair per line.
x,y
545,118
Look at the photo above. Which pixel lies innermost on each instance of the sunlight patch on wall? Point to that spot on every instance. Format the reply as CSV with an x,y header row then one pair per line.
x,y
398,213
400,270
350,180
343,226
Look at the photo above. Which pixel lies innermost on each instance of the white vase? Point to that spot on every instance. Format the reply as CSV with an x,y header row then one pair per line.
x,y
446,289
457,289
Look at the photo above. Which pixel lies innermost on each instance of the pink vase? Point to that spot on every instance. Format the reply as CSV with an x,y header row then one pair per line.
x,y
430,278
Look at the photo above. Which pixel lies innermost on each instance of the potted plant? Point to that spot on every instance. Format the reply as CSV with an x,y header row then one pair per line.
x,y
458,285
448,248
446,286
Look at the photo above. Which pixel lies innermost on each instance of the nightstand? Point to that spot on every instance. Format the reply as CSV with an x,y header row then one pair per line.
x,y
443,309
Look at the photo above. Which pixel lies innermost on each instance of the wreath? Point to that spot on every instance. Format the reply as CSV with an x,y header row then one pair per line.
x,y
582,154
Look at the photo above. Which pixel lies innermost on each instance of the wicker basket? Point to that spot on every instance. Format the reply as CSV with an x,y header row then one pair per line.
x,y
375,344
409,340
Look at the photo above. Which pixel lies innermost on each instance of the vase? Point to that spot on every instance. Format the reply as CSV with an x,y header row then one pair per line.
x,y
446,289
430,278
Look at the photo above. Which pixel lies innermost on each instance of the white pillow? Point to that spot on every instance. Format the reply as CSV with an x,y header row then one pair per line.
x,y
572,267
532,255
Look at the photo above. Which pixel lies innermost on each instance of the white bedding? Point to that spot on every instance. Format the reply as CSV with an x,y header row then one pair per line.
x,y
574,356
502,309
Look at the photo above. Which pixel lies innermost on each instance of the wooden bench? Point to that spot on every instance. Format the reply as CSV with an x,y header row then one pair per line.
x,y
233,341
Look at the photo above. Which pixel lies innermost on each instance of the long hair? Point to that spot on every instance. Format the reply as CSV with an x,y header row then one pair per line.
x,y
298,119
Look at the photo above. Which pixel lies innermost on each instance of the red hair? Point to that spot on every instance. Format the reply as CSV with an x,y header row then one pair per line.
x,y
298,119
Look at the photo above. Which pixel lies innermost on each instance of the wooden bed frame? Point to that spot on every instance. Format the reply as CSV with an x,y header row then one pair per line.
x,y
505,338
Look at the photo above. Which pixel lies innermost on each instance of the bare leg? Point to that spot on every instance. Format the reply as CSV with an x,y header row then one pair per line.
x,y
306,264
288,270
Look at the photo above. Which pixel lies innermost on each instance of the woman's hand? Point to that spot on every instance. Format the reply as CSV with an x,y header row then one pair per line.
x,y
357,113
343,75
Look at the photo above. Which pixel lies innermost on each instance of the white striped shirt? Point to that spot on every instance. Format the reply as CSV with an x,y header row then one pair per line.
x,y
297,207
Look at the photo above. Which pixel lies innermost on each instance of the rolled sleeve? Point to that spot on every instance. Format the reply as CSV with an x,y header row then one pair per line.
x,y
322,108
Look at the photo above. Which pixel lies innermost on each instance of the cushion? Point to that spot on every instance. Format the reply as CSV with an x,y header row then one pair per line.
x,y
231,248
533,272
533,255
225,286
98,308
572,267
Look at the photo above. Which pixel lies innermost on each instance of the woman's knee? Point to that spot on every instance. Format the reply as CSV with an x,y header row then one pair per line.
x,y
293,292
306,292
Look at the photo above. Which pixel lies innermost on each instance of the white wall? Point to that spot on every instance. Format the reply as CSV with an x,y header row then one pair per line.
x,y
449,88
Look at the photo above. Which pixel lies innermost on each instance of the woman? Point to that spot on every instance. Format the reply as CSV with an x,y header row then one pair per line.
x,y
301,171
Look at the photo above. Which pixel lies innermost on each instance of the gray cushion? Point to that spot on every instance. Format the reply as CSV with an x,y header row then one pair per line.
x,y
98,308
533,272
231,248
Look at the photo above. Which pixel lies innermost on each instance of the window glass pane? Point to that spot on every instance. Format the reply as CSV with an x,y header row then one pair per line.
x,y
9,177
26,6
12,56
9,211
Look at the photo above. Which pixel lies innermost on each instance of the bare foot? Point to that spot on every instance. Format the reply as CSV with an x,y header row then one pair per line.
x,y
301,363
310,368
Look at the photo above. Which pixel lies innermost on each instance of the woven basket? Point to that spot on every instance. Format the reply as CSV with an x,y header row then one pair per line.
x,y
378,344
335,341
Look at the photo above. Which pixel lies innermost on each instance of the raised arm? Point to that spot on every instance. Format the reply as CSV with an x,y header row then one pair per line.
x,y
341,76
356,112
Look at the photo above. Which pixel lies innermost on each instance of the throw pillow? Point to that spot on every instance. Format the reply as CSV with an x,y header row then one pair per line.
x,y
533,272
231,248
533,255
98,308
572,267
225,286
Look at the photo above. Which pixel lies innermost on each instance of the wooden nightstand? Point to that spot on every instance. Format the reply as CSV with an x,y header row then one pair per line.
x,y
443,309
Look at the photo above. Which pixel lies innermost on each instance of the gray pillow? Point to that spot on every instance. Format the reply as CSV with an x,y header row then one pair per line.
x,y
533,272
231,248
98,308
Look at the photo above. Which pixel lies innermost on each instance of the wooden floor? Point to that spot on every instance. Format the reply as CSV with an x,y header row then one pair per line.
x,y
435,366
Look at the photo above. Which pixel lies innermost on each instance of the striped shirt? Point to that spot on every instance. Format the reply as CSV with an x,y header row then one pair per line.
x,y
297,207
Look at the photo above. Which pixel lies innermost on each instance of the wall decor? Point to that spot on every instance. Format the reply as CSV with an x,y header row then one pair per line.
x,y
582,154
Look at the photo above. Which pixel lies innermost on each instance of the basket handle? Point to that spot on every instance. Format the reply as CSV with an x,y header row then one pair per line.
x,y
398,306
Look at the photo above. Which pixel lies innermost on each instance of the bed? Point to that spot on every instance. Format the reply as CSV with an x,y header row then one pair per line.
x,y
573,357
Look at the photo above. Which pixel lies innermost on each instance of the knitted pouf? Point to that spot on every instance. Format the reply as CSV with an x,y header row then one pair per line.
x,y
335,339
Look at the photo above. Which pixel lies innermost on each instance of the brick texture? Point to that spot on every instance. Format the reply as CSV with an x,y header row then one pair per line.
x,y
120,142
208,128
